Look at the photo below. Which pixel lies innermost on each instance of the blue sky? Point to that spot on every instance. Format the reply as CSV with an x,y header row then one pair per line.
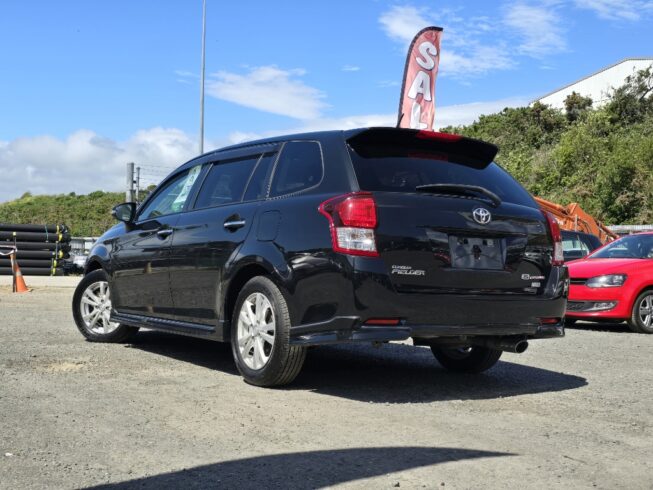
x,y
94,84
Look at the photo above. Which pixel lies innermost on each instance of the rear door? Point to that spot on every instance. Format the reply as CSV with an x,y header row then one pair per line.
x,y
208,236
449,220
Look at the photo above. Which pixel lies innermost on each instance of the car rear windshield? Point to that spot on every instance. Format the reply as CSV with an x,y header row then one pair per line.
x,y
397,173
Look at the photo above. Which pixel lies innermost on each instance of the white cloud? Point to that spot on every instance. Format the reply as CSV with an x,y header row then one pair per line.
x,y
455,115
628,10
464,53
452,115
84,161
480,60
269,89
350,68
537,26
401,23
185,74
325,124
477,45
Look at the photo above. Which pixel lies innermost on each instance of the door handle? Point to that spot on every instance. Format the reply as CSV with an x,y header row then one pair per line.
x,y
165,233
233,225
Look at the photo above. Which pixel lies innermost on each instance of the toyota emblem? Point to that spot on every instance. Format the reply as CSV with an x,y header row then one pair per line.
x,y
482,216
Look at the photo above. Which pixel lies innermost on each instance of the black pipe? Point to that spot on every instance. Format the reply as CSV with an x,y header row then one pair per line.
x,y
37,245
30,227
31,236
49,263
42,254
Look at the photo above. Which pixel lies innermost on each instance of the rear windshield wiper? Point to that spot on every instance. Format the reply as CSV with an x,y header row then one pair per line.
x,y
460,189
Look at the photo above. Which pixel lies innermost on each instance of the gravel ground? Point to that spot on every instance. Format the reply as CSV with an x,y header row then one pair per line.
x,y
170,411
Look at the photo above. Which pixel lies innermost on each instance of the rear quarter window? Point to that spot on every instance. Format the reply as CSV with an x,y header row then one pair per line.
x,y
256,188
405,173
299,167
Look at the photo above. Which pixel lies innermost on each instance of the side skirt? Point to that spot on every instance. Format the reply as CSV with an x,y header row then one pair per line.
x,y
176,326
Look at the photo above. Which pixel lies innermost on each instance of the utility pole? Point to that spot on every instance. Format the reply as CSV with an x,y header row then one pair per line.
x,y
138,183
202,77
129,193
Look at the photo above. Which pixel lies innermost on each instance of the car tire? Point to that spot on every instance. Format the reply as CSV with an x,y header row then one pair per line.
x,y
640,322
473,359
92,307
260,336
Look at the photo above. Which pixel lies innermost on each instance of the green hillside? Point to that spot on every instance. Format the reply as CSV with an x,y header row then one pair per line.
x,y
85,215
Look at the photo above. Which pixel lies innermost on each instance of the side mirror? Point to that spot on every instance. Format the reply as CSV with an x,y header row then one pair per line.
x,y
125,212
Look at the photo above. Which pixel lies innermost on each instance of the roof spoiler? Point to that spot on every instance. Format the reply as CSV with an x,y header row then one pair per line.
x,y
385,142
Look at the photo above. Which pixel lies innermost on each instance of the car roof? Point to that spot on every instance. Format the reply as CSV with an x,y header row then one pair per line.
x,y
315,135
285,137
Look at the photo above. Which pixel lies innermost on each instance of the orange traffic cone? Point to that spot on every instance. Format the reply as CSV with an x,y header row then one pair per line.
x,y
19,282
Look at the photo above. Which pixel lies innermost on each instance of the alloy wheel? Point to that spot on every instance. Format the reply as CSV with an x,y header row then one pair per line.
x,y
95,307
646,311
256,331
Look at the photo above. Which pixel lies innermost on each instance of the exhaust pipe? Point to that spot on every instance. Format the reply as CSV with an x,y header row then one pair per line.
x,y
506,344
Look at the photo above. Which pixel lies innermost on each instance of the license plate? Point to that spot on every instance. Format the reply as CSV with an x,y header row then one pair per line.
x,y
476,253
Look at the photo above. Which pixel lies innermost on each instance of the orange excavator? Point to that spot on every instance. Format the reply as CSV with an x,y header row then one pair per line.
x,y
572,217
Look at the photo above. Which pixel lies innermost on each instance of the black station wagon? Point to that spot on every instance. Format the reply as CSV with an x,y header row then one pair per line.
x,y
367,235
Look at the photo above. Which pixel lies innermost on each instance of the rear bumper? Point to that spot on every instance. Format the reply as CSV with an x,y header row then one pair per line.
x,y
341,330
361,290
376,297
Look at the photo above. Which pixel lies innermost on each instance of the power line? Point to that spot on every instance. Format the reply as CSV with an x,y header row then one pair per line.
x,y
157,167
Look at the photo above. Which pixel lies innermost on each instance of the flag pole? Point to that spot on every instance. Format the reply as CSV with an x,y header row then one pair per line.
x,y
202,77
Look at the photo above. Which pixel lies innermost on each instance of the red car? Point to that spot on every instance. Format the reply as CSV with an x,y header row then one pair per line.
x,y
615,283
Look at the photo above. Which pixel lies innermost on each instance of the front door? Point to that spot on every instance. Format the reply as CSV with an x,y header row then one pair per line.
x,y
140,259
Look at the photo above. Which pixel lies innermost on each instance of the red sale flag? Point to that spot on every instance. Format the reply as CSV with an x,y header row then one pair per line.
x,y
417,103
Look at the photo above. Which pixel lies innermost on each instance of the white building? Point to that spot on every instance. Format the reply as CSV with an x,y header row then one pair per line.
x,y
597,85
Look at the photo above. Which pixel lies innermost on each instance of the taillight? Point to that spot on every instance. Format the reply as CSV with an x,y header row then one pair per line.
x,y
352,219
558,257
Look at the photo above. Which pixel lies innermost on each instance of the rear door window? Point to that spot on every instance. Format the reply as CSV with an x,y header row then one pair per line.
x,y
225,182
299,168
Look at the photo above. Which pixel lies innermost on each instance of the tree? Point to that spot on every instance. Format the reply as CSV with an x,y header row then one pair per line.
x,y
632,102
576,105
601,158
